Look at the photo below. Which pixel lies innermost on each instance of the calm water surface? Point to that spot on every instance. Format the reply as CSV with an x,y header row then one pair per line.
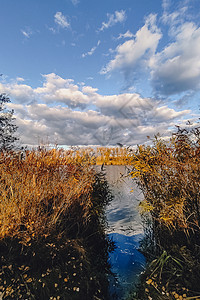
x,y
126,230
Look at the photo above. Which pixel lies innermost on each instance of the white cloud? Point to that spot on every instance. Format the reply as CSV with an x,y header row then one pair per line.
x,y
177,68
89,90
125,35
22,93
173,70
20,79
176,17
61,20
126,118
132,51
27,32
57,89
165,5
117,17
132,107
93,49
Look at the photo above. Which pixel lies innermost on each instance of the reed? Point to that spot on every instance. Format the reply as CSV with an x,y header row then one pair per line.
x,y
52,239
168,173
39,190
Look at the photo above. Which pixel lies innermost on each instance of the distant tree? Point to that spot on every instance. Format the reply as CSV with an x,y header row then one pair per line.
x,y
7,126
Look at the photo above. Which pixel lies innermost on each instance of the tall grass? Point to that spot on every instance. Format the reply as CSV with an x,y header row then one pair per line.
x,y
169,176
52,240
39,190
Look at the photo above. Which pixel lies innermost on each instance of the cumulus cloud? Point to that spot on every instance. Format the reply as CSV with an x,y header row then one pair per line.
x,y
117,17
20,92
60,124
129,54
93,49
61,20
131,110
70,114
53,89
89,90
123,104
173,70
176,69
57,89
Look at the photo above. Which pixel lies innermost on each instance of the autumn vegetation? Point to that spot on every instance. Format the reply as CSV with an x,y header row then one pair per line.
x,y
52,227
52,238
52,220
100,155
168,173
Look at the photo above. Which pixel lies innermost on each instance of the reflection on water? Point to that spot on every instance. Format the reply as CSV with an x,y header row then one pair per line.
x,y
125,229
122,213
127,263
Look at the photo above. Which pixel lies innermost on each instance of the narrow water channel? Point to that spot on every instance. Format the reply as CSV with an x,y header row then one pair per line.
x,y
125,229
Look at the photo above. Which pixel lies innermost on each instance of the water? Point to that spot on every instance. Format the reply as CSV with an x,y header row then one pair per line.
x,y
122,213
125,229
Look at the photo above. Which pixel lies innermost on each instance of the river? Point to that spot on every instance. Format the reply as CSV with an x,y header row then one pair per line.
x,y
125,229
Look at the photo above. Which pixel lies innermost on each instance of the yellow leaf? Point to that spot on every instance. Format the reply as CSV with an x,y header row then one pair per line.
x,y
149,281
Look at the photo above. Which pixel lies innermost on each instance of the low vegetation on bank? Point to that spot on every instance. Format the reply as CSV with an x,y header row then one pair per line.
x,y
169,176
100,155
168,172
52,236
52,228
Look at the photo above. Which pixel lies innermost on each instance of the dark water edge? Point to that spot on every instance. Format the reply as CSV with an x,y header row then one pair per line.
x,y
125,229
127,263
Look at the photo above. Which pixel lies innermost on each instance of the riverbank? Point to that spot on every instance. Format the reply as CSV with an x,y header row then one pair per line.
x,y
169,175
53,239
52,236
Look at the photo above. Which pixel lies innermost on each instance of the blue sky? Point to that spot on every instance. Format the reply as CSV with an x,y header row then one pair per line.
x,y
82,72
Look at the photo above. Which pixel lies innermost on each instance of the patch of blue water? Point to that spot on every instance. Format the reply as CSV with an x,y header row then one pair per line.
x,y
127,263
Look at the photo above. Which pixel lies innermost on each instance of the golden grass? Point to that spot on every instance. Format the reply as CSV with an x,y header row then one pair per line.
x,y
169,175
100,155
37,191
52,237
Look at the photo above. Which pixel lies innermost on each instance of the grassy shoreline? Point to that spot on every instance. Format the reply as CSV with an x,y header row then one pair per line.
x,y
52,232
169,175
52,238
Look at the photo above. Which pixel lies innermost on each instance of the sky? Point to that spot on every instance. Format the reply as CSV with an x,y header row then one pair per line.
x,y
90,72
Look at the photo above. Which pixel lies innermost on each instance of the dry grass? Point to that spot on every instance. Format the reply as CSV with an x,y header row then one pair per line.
x,y
100,155
52,239
169,176
37,191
